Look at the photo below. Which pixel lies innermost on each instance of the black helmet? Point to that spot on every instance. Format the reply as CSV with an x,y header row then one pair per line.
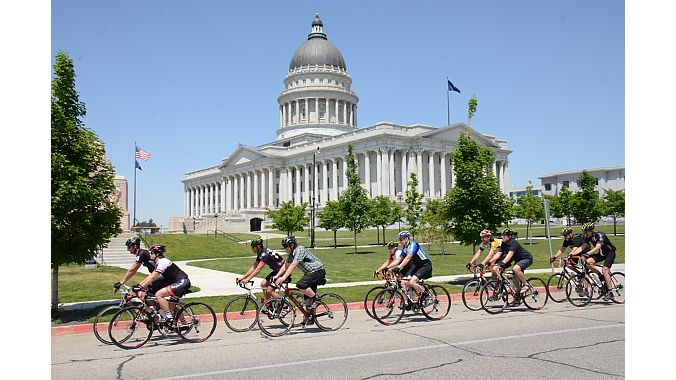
x,y
392,244
257,241
133,241
288,241
566,231
158,249
588,227
404,234
507,232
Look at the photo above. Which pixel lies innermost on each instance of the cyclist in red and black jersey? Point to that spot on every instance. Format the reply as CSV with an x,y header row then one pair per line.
x,y
173,275
601,250
263,257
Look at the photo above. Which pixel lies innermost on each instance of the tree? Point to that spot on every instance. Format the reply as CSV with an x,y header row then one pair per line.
x,y
288,218
384,212
354,201
471,108
83,213
476,201
331,218
613,205
435,224
586,204
413,204
562,205
529,207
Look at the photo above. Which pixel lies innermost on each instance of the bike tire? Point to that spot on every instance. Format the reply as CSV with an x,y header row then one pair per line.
x,y
579,291
556,287
470,295
195,322
493,297
388,307
130,327
370,296
101,322
331,313
535,296
437,304
278,317
618,285
240,313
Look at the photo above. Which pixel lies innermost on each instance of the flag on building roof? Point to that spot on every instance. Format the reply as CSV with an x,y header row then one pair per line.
x,y
142,154
451,87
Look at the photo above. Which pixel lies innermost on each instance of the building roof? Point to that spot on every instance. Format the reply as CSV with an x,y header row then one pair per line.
x,y
603,169
317,50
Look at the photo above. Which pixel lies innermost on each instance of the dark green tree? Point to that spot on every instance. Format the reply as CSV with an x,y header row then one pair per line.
x,y
288,218
354,202
384,212
586,204
413,205
613,205
530,207
331,218
84,215
476,201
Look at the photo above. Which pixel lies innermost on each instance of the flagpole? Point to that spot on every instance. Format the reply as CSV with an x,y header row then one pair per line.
x,y
134,221
448,104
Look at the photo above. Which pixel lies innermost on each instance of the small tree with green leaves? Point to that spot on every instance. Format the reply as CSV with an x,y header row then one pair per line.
x,y
530,207
471,108
288,218
331,218
613,205
413,204
354,202
384,212
586,204
435,227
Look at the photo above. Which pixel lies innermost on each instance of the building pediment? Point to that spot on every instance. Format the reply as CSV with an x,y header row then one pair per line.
x,y
242,155
453,131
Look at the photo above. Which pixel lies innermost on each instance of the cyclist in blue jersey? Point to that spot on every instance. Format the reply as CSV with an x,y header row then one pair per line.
x,y
420,267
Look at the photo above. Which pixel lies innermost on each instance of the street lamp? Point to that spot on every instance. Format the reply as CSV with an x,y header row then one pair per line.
x,y
194,223
312,209
216,229
399,197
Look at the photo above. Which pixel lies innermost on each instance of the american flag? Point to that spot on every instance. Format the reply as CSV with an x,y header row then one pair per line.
x,y
142,154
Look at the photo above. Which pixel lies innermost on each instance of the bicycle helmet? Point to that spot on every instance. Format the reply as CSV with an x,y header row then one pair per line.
x,y
158,249
566,231
392,244
588,227
288,241
404,234
133,241
485,233
257,241
507,232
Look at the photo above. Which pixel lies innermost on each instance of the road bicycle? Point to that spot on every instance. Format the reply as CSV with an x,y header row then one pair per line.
x,y
373,292
496,295
580,287
240,313
472,289
132,326
556,285
278,315
103,318
390,304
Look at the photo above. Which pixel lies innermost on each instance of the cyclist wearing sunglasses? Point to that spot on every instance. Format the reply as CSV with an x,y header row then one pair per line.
x,y
313,270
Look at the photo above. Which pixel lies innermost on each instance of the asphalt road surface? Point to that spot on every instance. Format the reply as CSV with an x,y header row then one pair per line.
x,y
558,342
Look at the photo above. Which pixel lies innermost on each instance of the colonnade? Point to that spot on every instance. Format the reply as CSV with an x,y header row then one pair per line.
x,y
384,171
317,111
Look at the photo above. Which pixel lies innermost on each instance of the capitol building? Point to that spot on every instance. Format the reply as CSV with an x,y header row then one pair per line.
x,y
318,118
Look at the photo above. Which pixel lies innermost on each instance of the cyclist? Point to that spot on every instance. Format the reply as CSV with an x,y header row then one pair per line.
x,y
420,267
392,260
513,251
263,257
487,242
313,270
601,250
575,242
142,259
173,275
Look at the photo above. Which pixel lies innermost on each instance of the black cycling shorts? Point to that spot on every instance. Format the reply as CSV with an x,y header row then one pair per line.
x,y
179,288
312,280
423,271
524,263
271,275
608,259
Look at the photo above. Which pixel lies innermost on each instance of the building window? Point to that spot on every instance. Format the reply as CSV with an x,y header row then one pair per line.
x,y
548,186
286,143
566,184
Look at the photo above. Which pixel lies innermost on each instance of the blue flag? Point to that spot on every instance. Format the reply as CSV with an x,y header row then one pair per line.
x,y
451,87
138,166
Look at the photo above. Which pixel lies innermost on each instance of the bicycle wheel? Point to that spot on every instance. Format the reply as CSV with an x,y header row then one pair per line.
x,y
370,296
130,327
101,323
470,294
594,280
240,313
556,287
579,291
331,313
195,322
388,306
535,294
618,287
436,302
493,297
276,316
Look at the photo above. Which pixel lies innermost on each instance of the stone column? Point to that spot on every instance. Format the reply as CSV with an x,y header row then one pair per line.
x,y
498,174
442,173
430,169
228,193
342,172
404,171
271,188
282,186
367,173
296,194
317,110
505,177
306,183
255,190
213,198
419,169
392,180
379,173
334,179
325,183
450,172
345,112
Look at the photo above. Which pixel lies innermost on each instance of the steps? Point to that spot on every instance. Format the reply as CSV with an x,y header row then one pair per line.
x,y
116,253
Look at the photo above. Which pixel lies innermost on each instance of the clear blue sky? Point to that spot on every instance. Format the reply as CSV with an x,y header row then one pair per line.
x,y
189,81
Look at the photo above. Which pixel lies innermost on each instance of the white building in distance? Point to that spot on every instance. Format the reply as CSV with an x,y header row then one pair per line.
x,y
606,178
317,121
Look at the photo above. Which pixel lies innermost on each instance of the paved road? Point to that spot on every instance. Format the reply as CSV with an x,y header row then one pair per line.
x,y
558,342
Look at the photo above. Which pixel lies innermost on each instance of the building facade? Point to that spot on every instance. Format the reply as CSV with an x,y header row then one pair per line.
x,y
606,178
317,121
